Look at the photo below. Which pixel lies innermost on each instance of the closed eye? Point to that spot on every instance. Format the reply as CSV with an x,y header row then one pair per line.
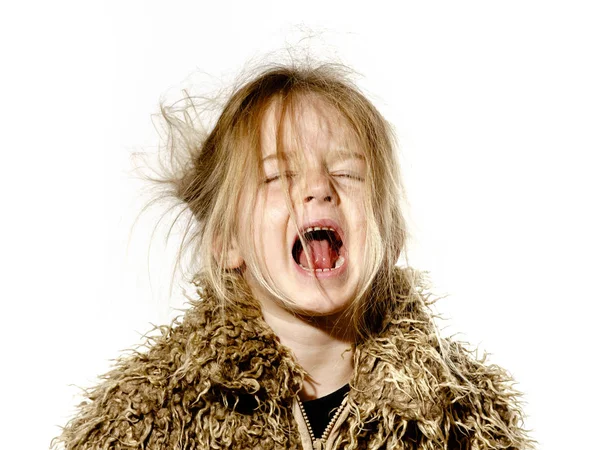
x,y
348,175
277,176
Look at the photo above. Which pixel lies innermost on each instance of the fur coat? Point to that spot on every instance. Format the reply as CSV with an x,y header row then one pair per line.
x,y
220,379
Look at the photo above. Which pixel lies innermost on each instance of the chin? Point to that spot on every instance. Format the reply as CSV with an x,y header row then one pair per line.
x,y
321,306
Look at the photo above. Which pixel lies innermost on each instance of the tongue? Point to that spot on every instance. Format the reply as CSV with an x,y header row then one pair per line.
x,y
323,255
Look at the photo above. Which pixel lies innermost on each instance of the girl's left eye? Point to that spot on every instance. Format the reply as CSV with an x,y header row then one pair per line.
x,y
348,175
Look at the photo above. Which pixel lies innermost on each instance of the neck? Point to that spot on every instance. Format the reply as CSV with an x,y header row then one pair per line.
x,y
322,346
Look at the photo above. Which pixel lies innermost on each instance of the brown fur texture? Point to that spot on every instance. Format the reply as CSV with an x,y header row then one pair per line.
x,y
220,379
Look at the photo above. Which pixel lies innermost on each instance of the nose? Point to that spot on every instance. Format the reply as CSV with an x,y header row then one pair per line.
x,y
318,187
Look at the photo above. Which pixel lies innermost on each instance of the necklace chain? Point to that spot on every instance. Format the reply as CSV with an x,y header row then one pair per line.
x,y
318,443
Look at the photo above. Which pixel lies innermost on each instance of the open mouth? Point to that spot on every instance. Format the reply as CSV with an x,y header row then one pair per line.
x,y
322,250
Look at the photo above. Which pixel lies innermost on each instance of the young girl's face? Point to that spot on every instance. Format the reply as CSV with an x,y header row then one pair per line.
x,y
325,173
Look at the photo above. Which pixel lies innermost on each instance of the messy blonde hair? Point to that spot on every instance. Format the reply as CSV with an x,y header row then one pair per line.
x,y
209,170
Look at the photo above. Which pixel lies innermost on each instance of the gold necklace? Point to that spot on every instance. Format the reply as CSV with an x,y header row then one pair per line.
x,y
319,443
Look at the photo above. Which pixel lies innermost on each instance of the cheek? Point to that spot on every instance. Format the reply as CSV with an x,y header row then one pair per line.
x,y
358,217
272,208
270,222
361,232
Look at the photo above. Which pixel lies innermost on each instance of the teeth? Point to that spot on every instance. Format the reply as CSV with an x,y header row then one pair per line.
x,y
309,229
340,261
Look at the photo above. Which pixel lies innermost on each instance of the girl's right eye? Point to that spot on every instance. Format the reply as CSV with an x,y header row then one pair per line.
x,y
278,176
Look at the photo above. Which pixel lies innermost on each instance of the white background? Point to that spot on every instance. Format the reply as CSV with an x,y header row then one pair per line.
x,y
497,110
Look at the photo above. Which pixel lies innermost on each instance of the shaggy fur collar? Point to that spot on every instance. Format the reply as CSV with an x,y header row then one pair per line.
x,y
221,379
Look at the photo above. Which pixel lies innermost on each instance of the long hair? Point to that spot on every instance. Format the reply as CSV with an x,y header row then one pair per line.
x,y
209,170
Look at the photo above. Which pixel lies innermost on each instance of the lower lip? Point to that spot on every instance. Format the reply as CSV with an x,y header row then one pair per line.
x,y
322,275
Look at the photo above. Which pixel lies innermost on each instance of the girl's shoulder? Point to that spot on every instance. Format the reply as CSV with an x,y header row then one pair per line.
x,y
152,395
130,399
411,372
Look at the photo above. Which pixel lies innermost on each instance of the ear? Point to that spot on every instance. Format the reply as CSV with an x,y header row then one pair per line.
x,y
233,255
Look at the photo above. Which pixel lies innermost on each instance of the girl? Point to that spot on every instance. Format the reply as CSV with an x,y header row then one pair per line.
x,y
306,334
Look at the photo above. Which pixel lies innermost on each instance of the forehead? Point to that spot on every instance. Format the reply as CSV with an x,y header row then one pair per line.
x,y
308,126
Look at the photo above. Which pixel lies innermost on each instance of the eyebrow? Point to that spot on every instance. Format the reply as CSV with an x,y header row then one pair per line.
x,y
275,156
340,155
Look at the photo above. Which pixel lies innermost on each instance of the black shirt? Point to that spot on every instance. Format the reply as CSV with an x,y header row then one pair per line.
x,y
321,410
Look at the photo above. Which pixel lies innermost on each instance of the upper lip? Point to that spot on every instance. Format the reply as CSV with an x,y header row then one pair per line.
x,y
330,223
